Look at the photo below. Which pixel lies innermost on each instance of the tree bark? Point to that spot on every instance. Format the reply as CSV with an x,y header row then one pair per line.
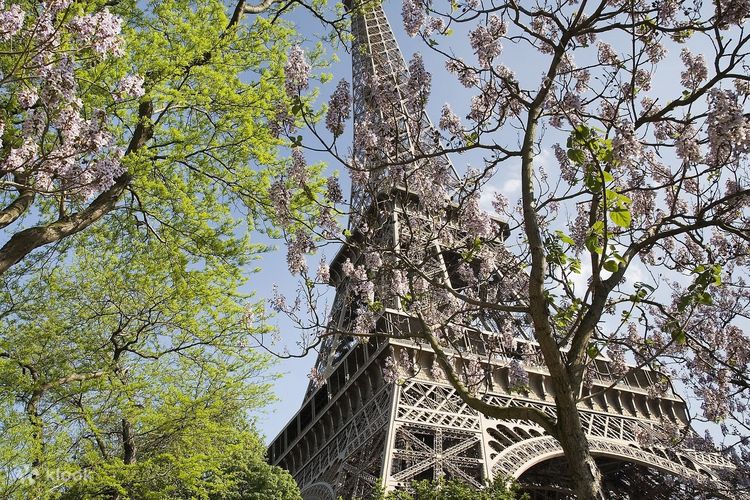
x,y
128,442
584,473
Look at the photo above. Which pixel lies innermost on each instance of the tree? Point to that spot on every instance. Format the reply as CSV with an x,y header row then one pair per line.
x,y
454,490
149,110
631,226
139,148
126,373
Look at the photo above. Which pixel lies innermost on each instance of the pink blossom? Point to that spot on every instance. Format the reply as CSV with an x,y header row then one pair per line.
x,y
582,76
642,79
390,371
297,72
617,357
364,324
656,52
668,10
485,40
419,83
297,170
468,77
517,375
28,97
316,378
11,21
339,108
57,5
281,199
101,30
324,274
373,261
686,145
742,87
474,220
18,158
626,147
300,244
696,70
365,137
104,173
450,122
277,301
131,86
728,128
333,190
60,84
482,106
398,284
434,24
413,15
500,203
732,12
362,286
328,224
347,268
607,54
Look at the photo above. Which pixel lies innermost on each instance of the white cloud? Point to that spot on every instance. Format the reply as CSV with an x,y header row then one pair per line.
x,y
511,186
485,199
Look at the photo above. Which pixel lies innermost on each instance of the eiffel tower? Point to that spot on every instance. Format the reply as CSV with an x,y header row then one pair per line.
x,y
359,429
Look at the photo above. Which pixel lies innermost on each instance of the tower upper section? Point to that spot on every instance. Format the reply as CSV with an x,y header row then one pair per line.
x,y
391,128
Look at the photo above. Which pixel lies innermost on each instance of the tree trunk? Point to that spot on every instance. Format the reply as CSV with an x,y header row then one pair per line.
x,y
584,473
128,442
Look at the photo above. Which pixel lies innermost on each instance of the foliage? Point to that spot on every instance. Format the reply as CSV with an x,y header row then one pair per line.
x,y
139,145
235,469
169,116
128,370
454,490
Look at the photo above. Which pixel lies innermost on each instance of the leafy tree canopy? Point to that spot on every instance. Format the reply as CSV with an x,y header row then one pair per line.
x,y
139,145
452,489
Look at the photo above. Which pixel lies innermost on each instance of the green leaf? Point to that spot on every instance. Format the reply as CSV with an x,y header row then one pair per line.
x,y
565,238
593,351
611,266
620,216
577,156
592,244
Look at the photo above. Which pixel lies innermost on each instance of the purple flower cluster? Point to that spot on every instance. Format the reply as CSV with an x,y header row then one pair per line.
x,y
300,244
728,127
339,108
413,15
297,72
333,190
696,70
297,169
11,20
450,122
101,30
419,83
517,375
485,40
131,86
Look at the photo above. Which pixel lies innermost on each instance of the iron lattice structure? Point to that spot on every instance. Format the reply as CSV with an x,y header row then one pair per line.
x,y
357,430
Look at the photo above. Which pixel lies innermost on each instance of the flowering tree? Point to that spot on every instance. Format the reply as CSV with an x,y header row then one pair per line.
x,y
96,103
630,236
